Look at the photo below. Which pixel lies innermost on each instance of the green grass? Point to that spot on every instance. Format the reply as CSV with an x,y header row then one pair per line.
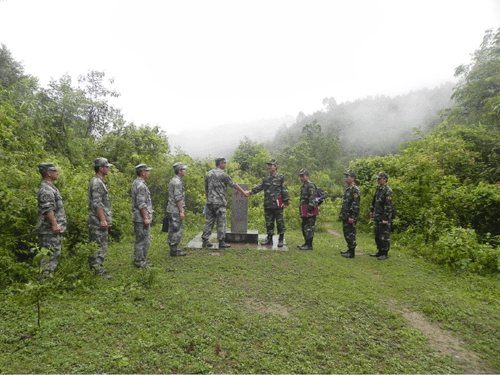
x,y
247,311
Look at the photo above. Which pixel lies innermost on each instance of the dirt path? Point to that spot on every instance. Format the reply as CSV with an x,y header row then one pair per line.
x,y
331,231
440,340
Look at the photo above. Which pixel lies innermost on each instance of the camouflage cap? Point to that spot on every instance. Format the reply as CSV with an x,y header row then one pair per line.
x,y
383,175
142,167
303,171
350,173
179,166
272,162
220,161
44,167
101,162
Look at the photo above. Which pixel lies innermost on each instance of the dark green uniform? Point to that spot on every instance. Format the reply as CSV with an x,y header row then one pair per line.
x,y
383,210
274,186
307,198
350,209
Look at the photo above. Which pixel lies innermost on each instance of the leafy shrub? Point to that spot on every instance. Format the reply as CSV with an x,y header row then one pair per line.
x,y
459,248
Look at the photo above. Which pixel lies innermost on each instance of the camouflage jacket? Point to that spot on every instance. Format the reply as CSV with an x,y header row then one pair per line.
x,y
382,205
49,200
350,203
141,198
176,193
216,182
274,187
99,198
308,195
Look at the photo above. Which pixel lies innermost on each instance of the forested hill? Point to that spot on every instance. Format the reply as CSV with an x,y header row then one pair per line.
x,y
373,125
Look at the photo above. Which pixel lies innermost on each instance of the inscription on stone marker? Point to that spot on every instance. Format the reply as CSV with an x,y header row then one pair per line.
x,y
239,218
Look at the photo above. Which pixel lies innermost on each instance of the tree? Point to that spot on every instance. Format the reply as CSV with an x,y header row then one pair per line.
x,y
97,112
11,71
478,91
252,157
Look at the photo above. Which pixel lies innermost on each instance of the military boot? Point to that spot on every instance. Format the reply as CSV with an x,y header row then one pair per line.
x,y
307,246
281,240
224,245
175,252
268,241
349,254
207,244
102,273
383,255
377,254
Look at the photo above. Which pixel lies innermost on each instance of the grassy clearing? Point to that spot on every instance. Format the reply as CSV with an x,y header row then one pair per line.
x,y
247,311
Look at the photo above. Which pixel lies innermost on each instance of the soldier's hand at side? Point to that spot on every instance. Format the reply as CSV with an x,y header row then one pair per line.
x,y
56,228
247,193
147,221
182,215
350,220
371,215
103,224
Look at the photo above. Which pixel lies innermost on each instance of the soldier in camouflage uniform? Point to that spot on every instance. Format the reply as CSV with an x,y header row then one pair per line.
x,y
275,199
142,216
100,216
307,198
175,209
382,212
216,183
349,213
51,215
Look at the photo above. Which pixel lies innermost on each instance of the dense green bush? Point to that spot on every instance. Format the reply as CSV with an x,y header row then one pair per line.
x,y
459,248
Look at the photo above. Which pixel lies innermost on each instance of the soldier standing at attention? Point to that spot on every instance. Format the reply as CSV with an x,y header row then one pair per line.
x,y
216,183
142,216
100,216
175,209
349,213
382,212
51,215
275,200
307,207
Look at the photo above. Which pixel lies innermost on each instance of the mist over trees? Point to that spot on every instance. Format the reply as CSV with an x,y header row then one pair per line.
x,y
373,125
440,147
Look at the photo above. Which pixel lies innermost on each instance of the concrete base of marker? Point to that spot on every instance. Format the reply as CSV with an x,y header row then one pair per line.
x,y
196,243
251,236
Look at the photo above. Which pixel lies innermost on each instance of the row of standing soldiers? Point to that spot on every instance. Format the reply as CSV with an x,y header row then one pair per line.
x,y
381,211
52,217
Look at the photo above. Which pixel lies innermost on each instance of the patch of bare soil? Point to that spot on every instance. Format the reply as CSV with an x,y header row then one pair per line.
x,y
262,307
445,342
331,231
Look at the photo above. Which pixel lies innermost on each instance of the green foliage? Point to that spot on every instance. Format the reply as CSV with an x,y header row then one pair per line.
x,y
252,157
129,145
315,151
478,91
459,248
11,71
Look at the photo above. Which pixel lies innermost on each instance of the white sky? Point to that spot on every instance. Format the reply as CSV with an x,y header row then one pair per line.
x,y
186,65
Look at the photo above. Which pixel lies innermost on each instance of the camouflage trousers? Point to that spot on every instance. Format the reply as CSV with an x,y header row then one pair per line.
x,y
142,242
215,213
382,235
175,229
349,234
99,236
52,242
308,227
271,215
